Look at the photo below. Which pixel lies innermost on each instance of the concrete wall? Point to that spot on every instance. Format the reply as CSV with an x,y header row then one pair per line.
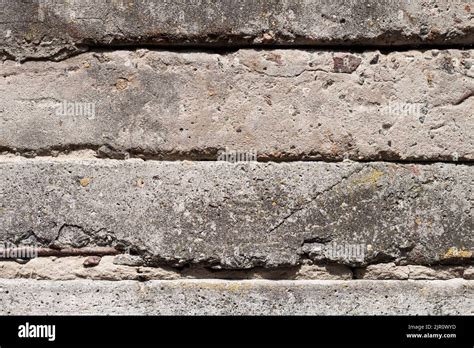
x,y
236,157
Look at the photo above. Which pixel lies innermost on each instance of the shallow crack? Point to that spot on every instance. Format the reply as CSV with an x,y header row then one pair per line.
x,y
311,201
211,154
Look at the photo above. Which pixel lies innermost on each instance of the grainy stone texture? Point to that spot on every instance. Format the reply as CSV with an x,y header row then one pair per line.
x,y
383,271
89,79
282,104
199,297
56,29
70,268
415,272
469,273
240,216
426,273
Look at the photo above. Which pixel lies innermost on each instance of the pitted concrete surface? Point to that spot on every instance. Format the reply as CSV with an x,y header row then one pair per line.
x,y
258,297
56,29
281,104
238,216
351,123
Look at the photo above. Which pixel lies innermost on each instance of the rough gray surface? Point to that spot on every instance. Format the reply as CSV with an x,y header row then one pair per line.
x,y
56,29
282,104
213,297
278,80
238,216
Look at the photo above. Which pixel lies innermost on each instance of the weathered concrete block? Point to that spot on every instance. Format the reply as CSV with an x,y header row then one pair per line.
x,y
213,297
56,29
240,216
279,104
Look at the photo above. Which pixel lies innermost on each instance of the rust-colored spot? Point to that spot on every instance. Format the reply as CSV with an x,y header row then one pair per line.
x,y
433,34
276,58
346,64
85,182
121,84
92,261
